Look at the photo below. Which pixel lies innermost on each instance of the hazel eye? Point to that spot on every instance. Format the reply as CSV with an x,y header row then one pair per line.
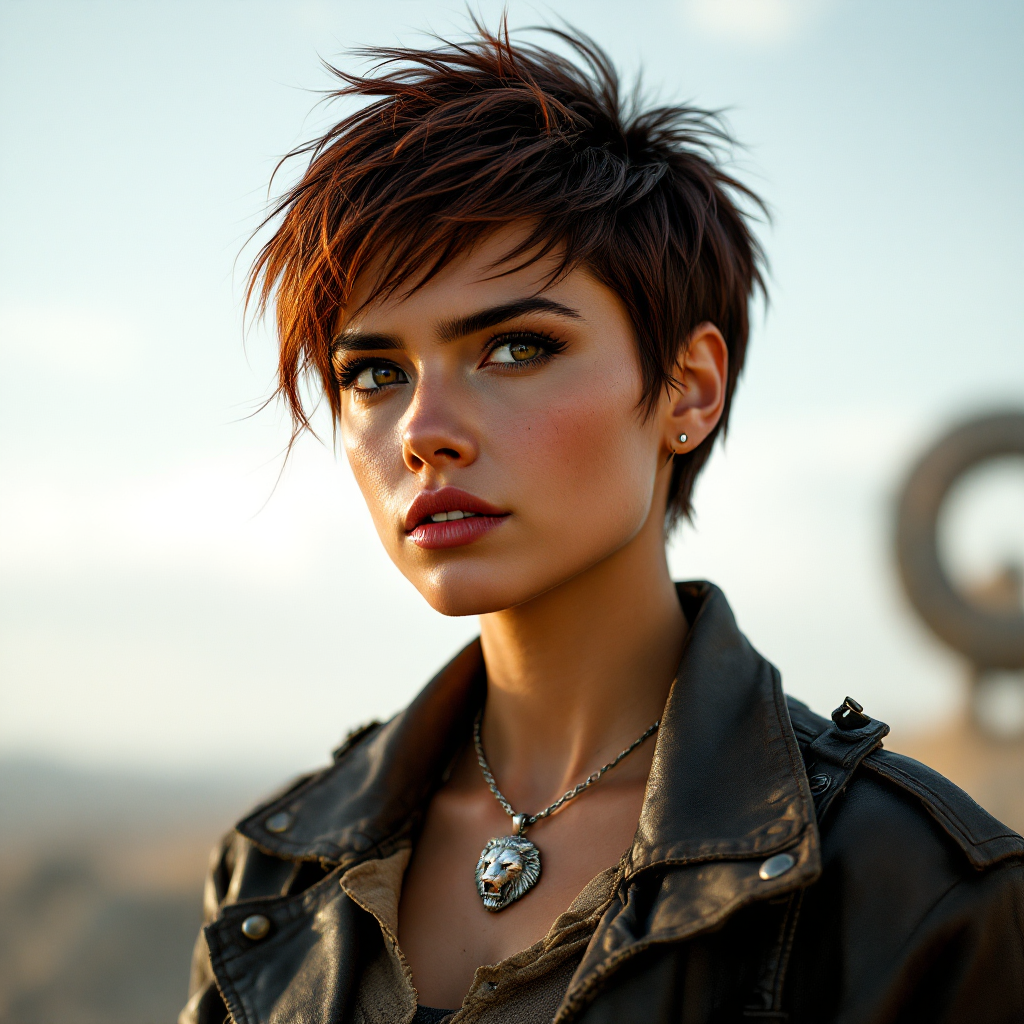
x,y
373,378
515,352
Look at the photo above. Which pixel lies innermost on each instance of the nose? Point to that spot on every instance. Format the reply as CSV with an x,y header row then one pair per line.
x,y
492,885
436,432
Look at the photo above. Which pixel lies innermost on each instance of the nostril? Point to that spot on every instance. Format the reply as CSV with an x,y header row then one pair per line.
x,y
450,452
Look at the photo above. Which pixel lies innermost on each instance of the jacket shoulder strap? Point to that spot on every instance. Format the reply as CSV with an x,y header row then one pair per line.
x,y
833,750
984,839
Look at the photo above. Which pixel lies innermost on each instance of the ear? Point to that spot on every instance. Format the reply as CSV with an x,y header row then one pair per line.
x,y
693,405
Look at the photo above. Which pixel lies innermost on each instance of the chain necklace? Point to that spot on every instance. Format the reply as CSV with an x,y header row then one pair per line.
x,y
509,866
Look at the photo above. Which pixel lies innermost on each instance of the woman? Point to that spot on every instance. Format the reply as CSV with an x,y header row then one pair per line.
x,y
527,307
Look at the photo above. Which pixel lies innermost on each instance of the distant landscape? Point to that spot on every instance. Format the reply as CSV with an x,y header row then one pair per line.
x,y
100,889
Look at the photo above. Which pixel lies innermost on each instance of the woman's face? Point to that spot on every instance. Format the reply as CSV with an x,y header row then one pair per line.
x,y
507,400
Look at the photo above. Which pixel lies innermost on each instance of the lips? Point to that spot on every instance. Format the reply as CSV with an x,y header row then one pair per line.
x,y
450,517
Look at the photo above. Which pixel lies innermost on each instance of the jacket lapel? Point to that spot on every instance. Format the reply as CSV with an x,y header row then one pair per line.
x,y
727,791
727,780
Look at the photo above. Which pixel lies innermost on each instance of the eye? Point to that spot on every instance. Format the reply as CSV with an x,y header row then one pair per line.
x,y
522,348
370,377
515,352
379,377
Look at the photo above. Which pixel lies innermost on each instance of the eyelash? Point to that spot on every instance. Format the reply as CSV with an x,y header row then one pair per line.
x,y
549,346
347,374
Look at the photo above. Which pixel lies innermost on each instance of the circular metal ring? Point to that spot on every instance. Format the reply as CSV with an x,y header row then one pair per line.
x,y
988,638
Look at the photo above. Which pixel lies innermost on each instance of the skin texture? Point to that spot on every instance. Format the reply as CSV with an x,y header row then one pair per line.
x,y
580,625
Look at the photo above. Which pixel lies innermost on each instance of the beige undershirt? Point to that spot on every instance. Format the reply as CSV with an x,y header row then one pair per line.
x,y
526,988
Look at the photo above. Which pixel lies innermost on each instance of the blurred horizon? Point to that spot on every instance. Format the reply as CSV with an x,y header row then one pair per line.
x,y
167,609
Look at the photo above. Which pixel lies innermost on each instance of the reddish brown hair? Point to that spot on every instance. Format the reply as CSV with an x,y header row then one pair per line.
x,y
457,140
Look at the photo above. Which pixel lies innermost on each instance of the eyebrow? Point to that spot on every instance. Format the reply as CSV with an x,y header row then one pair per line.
x,y
452,328
360,341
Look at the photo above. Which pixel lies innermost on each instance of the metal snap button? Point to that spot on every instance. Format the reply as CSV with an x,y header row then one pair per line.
x,y
775,866
819,783
256,927
280,822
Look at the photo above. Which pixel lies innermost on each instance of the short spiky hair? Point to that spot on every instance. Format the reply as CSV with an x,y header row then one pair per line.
x,y
458,140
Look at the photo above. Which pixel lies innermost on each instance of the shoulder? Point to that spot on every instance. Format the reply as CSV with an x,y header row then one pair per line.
x,y
255,858
888,795
920,900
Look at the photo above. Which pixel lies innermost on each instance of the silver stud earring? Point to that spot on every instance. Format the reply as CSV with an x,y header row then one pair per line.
x,y
682,439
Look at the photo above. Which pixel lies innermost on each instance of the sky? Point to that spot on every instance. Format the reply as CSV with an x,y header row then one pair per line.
x,y
165,606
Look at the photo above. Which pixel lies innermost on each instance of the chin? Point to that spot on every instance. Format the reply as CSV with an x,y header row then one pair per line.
x,y
477,585
478,590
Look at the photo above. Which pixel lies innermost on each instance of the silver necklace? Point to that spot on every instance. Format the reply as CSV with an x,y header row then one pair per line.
x,y
509,866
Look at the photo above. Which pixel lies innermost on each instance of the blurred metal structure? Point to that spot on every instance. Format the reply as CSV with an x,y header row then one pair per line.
x,y
985,624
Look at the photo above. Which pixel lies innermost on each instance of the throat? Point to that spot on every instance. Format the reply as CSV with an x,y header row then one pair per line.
x,y
571,680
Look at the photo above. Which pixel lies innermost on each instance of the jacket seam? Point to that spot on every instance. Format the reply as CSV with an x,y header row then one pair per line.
x,y
232,1017
339,857
722,857
791,929
795,756
954,819
229,994
614,962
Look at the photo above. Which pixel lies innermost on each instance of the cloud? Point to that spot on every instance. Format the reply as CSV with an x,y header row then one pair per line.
x,y
762,23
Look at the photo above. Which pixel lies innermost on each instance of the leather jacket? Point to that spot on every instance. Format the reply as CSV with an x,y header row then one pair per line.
x,y
784,868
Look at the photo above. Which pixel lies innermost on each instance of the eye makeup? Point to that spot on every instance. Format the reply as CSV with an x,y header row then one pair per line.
x,y
518,346
511,351
348,374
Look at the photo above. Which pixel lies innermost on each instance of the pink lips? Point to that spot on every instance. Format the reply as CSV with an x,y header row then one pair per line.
x,y
425,533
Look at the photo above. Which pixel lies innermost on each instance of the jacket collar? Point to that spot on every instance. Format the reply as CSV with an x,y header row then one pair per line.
x,y
379,785
727,780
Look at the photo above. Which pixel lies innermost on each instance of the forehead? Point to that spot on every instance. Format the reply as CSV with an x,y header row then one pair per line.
x,y
478,277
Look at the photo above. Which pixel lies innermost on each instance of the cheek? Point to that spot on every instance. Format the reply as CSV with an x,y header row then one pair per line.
x,y
585,458
374,456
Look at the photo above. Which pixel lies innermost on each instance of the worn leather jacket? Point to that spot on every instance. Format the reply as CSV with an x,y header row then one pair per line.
x,y
898,898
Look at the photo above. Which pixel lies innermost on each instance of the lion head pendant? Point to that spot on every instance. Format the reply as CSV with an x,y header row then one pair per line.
x,y
508,868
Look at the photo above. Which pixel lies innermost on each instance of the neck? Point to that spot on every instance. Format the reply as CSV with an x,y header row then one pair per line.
x,y
576,674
